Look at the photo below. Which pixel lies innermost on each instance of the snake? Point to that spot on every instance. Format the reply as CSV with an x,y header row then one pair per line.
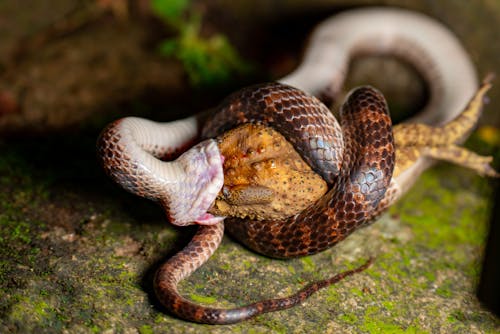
x,y
366,161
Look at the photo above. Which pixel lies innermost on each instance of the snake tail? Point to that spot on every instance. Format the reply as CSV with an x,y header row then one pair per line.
x,y
201,247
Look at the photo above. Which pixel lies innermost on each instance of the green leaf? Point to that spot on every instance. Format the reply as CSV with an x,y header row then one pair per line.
x,y
169,9
207,61
169,47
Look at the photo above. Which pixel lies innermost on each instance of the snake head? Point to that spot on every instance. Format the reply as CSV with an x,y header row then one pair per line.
x,y
196,185
130,151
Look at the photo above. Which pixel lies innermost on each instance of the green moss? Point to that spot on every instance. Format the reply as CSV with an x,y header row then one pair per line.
x,y
377,326
375,321
21,193
445,290
95,329
444,217
276,327
308,264
455,316
392,272
388,305
430,276
203,299
36,309
247,264
332,294
349,318
41,308
226,266
146,329
356,291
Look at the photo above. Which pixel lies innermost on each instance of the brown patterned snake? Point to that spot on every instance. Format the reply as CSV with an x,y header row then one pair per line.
x,y
365,164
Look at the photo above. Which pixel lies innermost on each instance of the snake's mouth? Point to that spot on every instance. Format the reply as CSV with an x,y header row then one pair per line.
x,y
208,219
195,185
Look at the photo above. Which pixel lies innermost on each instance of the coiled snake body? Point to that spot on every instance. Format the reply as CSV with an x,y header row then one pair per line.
x,y
355,158
366,167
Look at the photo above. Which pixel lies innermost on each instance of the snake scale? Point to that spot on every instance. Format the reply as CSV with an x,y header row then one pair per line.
x,y
366,162
356,161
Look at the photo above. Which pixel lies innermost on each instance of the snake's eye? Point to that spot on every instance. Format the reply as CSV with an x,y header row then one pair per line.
x,y
226,192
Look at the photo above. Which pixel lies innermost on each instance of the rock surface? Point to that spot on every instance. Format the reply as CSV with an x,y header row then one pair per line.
x,y
77,254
